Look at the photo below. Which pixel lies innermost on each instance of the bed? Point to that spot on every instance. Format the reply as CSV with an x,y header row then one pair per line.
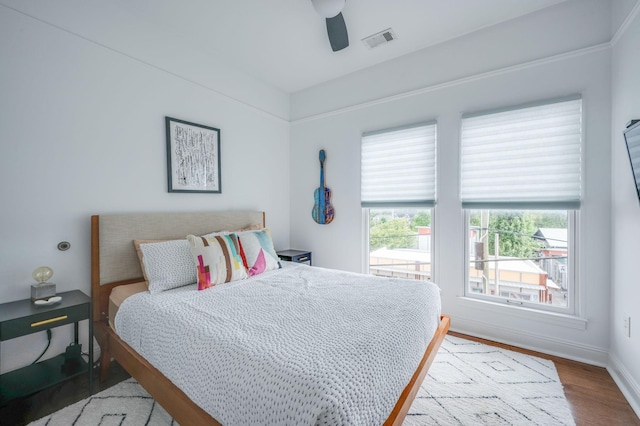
x,y
116,266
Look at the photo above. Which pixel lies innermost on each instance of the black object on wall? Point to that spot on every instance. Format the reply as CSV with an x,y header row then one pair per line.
x,y
632,141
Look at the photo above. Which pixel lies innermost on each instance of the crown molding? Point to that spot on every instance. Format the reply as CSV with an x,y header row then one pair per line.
x,y
626,24
460,81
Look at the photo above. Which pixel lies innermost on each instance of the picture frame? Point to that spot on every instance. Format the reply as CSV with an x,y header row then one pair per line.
x,y
193,157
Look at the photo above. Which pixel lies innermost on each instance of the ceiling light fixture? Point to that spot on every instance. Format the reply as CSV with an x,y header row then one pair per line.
x,y
331,10
328,8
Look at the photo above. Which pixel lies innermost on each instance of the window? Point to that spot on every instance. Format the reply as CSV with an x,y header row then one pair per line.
x,y
398,190
400,243
521,255
521,189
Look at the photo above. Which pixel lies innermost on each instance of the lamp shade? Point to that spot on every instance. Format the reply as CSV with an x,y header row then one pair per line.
x,y
328,8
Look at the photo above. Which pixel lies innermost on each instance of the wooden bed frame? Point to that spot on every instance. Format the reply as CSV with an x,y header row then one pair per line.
x,y
114,262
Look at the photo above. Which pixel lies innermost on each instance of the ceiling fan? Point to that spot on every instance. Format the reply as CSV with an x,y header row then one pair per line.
x,y
336,28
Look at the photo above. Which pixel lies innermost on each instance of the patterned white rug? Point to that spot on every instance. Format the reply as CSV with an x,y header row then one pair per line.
x,y
469,383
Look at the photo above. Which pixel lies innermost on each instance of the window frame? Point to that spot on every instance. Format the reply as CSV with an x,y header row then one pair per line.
x,y
575,305
427,202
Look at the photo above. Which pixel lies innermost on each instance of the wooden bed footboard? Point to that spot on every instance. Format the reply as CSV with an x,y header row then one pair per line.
x,y
169,396
403,405
186,412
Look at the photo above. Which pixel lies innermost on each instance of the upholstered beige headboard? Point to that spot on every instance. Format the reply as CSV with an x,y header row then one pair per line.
x,y
113,257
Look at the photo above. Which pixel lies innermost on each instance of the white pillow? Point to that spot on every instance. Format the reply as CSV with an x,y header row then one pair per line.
x,y
168,264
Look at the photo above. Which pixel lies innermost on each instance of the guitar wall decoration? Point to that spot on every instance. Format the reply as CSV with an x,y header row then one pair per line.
x,y
323,211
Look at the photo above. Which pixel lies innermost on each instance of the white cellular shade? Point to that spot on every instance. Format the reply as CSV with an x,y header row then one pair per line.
x,y
526,157
398,167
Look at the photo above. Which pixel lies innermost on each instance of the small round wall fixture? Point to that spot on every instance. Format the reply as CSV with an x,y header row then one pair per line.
x,y
64,245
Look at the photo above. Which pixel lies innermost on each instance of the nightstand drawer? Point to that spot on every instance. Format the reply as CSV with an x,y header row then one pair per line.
x,y
42,321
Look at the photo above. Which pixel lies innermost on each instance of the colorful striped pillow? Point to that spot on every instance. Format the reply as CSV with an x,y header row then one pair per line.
x,y
258,252
218,259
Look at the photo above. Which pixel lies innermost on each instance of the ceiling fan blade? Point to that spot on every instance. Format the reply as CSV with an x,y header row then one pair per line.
x,y
337,32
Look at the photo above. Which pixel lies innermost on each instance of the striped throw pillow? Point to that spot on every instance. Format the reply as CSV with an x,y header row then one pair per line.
x,y
218,259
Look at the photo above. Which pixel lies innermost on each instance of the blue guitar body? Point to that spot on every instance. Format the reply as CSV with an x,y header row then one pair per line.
x,y
323,211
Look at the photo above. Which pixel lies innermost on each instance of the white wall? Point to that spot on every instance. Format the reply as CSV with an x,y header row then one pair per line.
x,y
82,133
581,69
625,213
115,25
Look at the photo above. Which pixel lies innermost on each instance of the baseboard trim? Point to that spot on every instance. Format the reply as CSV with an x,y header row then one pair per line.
x,y
629,388
539,343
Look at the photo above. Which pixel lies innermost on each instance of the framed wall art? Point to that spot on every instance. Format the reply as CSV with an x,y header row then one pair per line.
x,y
193,157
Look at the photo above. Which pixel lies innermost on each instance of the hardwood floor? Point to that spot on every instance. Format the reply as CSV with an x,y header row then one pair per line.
x,y
592,394
23,411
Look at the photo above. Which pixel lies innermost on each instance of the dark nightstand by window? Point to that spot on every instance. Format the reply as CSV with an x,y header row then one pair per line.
x,y
298,256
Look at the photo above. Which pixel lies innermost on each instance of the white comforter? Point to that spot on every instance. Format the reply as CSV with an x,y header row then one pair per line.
x,y
296,346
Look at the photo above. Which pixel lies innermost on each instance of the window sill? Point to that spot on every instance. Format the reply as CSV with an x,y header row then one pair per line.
x,y
548,317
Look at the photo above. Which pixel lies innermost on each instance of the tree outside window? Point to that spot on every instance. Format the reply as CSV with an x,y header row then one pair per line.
x,y
400,242
519,255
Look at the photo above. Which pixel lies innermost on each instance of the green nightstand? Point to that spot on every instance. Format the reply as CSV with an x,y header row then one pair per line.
x,y
24,317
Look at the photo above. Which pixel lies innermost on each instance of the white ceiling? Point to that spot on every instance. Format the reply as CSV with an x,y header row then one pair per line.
x,y
284,42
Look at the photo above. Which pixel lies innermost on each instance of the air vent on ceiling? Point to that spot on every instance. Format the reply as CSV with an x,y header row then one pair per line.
x,y
379,38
